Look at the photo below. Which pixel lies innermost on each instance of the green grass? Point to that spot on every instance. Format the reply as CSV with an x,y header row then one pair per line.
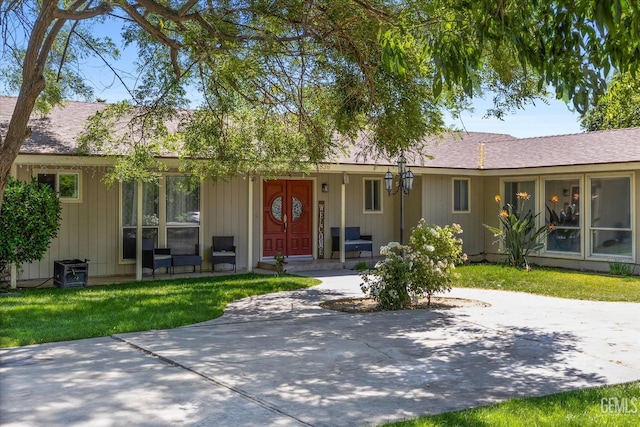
x,y
550,282
584,408
50,315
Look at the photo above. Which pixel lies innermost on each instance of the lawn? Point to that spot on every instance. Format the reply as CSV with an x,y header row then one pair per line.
x,y
550,282
617,405
49,315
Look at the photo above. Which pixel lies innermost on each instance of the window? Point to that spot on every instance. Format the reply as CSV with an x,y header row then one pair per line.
x,y
610,231
511,191
183,214
150,215
66,184
563,215
461,195
178,222
372,195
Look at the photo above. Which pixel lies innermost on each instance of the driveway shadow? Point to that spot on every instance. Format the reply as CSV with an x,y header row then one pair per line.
x,y
357,369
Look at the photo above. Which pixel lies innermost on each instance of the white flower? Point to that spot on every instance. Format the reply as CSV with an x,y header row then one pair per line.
x,y
429,248
433,232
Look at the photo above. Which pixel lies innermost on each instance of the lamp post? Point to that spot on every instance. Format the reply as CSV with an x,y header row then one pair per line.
x,y
403,186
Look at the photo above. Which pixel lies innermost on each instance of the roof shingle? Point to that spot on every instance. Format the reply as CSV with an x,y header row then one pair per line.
x,y
57,133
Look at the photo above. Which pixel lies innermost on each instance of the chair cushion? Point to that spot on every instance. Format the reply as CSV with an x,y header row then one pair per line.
x,y
223,253
161,257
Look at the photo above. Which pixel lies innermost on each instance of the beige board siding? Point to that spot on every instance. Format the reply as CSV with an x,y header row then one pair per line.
x,y
379,225
223,212
88,230
437,209
491,211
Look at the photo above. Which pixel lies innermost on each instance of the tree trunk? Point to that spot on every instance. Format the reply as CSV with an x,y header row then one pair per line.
x,y
33,83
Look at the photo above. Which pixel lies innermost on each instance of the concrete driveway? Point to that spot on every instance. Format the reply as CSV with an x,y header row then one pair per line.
x,y
281,360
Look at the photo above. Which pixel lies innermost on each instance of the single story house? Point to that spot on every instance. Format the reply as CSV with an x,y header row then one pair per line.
x,y
588,180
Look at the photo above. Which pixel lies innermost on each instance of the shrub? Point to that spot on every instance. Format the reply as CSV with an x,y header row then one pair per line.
x,y
617,268
435,251
420,269
517,232
280,262
29,219
388,281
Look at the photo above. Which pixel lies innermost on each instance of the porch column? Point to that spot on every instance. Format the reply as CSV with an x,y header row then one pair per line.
x,y
343,215
14,268
250,225
139,232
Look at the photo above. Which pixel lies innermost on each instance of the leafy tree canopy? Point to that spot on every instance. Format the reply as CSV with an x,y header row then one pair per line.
x,y
618,108
285,83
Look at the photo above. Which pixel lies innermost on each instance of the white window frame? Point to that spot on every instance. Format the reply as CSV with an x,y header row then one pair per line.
x,y
364,195
453,195
57,173
162,218
543,198
588,217
161,237
163,211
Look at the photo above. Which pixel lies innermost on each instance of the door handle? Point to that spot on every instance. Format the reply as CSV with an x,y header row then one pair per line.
x,y
284,219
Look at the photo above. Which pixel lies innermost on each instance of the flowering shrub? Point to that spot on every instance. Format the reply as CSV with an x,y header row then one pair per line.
x,y
419,269
435,251
517,233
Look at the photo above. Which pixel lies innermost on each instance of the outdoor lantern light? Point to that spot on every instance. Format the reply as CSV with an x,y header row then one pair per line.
x,y
388,181
408,181
405,184
402,162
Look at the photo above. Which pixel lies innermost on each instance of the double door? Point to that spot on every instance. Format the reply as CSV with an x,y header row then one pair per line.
x,y
287,217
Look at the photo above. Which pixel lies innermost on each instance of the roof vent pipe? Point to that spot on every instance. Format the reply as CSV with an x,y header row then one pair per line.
x,y
481,156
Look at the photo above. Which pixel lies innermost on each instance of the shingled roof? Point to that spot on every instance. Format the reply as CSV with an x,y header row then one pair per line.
x,y
57,133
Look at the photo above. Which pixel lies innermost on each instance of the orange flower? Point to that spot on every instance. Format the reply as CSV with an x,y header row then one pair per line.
x,y
498,198
523,196
554,199
504,213
576,197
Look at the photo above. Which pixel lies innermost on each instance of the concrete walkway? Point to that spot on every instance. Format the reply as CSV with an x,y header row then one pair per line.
x,y
280,360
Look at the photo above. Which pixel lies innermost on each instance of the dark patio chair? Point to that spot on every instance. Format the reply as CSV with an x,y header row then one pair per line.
x,y
153,257
223,251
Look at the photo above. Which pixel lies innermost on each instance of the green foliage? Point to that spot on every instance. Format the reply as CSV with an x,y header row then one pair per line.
x,y
593,407
360,266
618,268
422,268
29,219
284,85
280,262
434,253
570,46
550,282
618,108
517,233
50,315
389,280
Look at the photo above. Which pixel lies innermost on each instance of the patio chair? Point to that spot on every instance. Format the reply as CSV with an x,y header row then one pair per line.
x,y
153,257
223,251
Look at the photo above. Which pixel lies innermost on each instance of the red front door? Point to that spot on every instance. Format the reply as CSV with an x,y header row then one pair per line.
x,y
287,220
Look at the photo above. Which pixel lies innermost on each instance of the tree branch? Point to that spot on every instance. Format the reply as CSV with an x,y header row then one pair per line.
x,y
173,45
72,15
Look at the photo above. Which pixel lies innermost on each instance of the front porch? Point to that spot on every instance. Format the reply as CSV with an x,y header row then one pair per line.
x,y
293,266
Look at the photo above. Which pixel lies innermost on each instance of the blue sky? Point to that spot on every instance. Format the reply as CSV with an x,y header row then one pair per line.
x,y
539,120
